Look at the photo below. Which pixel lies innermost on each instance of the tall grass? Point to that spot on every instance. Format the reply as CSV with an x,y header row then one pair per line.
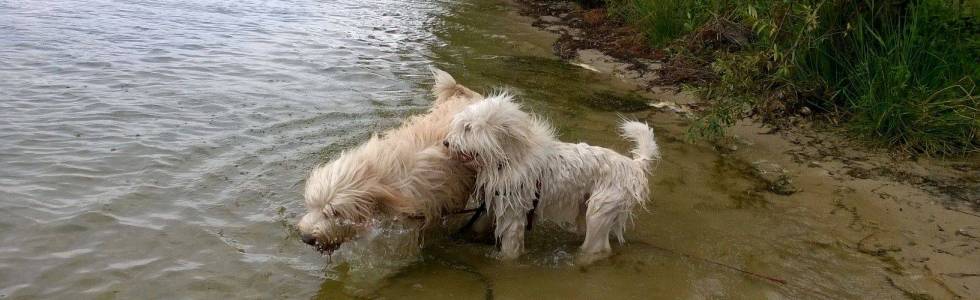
x,y
663,21
905,77
902,72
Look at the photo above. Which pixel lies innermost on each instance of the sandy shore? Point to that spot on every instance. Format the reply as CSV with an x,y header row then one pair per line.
x,y
919,216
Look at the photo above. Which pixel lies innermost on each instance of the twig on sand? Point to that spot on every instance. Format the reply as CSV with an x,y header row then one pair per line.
x,y
467,268
963,212
727,266
771,279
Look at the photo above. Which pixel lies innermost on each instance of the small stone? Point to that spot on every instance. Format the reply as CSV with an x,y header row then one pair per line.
x,y
725,147
962,167
648,62
880,245
563,6
562,15
555,28
969,231
550,19
805,111
859,173
783,187
823,241
814,164
417,286
774,176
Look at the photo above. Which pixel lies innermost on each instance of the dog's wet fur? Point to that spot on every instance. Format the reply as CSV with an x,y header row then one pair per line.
x,y
400,173
525,173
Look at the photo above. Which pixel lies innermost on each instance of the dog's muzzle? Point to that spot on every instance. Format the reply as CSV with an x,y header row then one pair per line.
x,y
309,239
459,155
327,248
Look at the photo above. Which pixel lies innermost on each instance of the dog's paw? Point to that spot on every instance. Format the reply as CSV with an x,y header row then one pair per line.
x,y
508,255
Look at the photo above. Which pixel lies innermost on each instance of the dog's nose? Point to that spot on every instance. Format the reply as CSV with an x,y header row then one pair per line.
x,y
309,239
445,143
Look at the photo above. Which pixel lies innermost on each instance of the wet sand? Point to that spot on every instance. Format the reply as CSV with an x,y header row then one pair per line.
x,y
918,217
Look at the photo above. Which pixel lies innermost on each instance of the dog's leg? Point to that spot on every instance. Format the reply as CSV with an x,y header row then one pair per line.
x,y
510,231
477,215
480,226
583,208
599,219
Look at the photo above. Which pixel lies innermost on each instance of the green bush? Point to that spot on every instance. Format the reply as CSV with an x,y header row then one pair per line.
x,y
906,77
902,72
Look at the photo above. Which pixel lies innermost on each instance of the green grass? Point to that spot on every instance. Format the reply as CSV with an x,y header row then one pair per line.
x,y
901,72
663,21
908,81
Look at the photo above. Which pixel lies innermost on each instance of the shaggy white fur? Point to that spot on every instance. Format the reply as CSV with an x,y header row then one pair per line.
x,y
404,172
523,167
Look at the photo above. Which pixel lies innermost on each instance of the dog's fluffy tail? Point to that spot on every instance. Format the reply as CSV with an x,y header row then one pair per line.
x,y
646,146
445,84
447,87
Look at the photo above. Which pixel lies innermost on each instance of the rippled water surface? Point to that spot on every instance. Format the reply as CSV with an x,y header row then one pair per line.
x,y
146,147
155,149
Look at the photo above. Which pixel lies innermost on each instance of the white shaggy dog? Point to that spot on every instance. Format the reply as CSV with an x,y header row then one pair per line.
x,y
405,173
524,171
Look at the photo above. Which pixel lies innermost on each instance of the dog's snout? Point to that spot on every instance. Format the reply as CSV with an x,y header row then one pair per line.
x,y
309,239
445,143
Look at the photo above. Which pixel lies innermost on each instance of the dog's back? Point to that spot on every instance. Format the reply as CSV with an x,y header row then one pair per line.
x,y
574,172
525,171
409,158
401,172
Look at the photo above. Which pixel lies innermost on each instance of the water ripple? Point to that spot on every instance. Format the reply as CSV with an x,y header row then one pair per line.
x,y
146,146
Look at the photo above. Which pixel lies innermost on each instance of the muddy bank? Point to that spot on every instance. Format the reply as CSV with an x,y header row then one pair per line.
x,y
918,217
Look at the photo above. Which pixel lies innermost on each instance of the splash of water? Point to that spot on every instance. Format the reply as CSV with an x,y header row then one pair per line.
x,y
387,247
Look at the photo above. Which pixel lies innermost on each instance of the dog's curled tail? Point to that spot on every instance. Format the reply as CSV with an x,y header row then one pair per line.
x,y
447,87
646,146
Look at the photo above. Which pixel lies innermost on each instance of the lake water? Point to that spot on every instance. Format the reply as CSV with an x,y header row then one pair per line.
x,y
156,149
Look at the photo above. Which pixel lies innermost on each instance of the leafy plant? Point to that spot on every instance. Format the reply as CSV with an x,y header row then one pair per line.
x,y
901,72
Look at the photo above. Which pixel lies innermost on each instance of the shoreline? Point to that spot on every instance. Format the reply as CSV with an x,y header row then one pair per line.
x,y
918,216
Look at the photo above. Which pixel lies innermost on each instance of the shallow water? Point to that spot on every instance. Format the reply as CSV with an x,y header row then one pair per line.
x,y
156,149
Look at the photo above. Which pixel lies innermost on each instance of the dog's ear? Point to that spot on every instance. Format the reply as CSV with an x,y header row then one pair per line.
x,y
357,209
386,197
340,211
330,211
383,195
518,132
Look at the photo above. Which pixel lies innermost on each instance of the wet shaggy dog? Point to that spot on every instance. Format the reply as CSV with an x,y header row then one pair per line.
x,y
524,172
403,173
